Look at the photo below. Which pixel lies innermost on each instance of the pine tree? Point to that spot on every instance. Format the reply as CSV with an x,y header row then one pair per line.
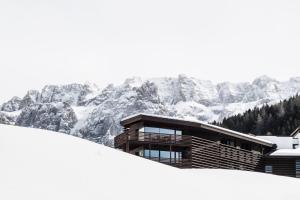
x,y
279,119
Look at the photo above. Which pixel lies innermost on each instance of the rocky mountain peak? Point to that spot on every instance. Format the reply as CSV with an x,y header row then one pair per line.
x,y
73,94
85,111
264,81
12,105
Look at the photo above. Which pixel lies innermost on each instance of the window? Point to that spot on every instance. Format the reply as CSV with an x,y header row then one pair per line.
x,y
151,130
163,156
295,143
269,169
161,131
178,132
166,131
154,154
151,153
147,153
176,156
297,168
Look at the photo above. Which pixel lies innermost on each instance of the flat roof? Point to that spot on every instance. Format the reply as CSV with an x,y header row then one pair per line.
x,y
286,153
193,123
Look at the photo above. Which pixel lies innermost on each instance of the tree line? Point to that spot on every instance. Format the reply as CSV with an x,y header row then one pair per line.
x,y
280,119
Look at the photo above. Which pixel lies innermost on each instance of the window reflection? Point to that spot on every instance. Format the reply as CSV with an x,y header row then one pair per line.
x,y
151,130
166,131
163,156
161,131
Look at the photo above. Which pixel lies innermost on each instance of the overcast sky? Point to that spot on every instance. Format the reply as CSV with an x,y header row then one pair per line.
x,y
103,41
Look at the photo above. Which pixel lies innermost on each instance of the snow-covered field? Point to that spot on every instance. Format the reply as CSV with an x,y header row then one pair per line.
x,y
40,165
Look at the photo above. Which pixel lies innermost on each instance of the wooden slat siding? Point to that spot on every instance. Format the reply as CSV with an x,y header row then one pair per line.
x,y
120,140
222,160
282,166
211,154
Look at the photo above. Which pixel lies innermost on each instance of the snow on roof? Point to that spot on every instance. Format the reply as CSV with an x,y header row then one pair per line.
x,y
207,126
281,142
286,152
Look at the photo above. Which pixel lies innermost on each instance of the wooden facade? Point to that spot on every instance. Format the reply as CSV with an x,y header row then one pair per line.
x,y
193,144
283,165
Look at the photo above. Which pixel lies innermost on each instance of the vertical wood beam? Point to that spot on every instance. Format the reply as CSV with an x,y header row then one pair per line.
x,y
127,143
170,154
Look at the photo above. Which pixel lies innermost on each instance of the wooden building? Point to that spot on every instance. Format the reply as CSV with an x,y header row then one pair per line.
x,y
285,161
191,144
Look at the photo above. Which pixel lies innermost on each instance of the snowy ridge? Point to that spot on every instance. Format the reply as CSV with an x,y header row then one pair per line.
x,y
85,111
35,165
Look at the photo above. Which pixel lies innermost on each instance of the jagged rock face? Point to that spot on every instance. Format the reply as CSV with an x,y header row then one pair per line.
x,y
6,119
72,94
55,117
32,97
113,104
84,111
12,105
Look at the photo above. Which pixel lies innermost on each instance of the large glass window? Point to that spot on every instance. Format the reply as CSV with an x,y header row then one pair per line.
x,y
163,156
173,158
154,154
161,130
147,153
151,130
166,131
151,153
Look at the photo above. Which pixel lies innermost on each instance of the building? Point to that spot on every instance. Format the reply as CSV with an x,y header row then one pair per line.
x,y
285,160
193,144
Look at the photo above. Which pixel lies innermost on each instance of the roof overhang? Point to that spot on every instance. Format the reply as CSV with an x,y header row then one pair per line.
x,y
295,132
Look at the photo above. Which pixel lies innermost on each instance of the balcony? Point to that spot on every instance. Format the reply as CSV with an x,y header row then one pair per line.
x,y
154,138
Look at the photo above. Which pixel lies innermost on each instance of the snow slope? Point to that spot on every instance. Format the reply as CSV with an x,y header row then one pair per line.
x,y
38,164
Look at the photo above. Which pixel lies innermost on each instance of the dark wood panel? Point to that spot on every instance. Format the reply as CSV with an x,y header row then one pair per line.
x,y
282,166
210,154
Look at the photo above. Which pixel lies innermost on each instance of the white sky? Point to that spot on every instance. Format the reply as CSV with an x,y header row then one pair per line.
x,y
103,41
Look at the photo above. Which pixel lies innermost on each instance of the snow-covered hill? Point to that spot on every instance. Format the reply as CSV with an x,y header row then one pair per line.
x,y
87,112
38,164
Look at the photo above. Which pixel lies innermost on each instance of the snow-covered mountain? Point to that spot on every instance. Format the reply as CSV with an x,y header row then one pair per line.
x,y
85,111
38,164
